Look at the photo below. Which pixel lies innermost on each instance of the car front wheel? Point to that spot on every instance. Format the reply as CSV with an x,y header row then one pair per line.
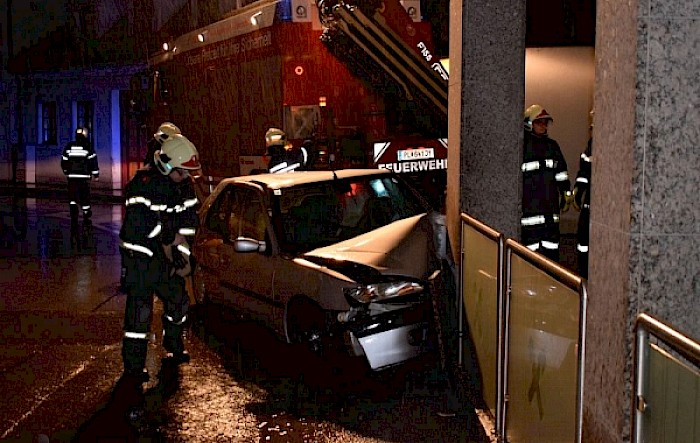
x,y
305,323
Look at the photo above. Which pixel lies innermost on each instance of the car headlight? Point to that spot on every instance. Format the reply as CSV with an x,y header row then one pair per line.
x,y
379,292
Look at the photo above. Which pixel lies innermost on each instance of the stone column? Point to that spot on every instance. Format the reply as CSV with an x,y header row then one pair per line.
x,y
645,235
486,95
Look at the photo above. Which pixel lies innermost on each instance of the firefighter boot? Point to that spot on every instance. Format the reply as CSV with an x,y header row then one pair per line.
x,y
134,356
74,211
173,342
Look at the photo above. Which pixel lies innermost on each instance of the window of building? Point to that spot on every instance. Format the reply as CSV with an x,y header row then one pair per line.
x,y
47,131
85,114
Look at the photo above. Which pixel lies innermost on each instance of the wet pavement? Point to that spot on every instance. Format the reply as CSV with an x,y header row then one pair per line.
x,y
60,365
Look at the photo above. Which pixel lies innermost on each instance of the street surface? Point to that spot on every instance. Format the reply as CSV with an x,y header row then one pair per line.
x,y
60,328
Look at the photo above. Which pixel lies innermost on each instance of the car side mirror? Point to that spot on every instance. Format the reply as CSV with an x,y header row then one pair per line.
x,y
245,244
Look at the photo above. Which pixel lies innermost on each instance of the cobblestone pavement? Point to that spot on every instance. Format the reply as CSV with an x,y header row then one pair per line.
x,y
60,324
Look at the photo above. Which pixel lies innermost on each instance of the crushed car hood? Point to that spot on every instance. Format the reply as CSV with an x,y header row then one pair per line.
x,y
400,248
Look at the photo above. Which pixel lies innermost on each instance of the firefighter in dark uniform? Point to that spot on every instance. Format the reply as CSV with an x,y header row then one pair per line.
x,y
79,164
161,211
546,186
275,143
165,131
283,156
582,202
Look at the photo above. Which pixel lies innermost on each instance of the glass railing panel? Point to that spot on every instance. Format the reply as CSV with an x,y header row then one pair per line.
x,y
672,413
543,358
480,293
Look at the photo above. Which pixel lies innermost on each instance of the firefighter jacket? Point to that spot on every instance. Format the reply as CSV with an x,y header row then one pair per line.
x,y
79,160
295,159
582,185
278,158
157,208
545,180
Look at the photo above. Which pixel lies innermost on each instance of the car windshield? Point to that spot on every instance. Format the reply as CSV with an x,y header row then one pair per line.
x,y
314,215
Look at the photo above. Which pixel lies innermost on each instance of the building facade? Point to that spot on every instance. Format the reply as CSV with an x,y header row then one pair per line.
x,y
644,230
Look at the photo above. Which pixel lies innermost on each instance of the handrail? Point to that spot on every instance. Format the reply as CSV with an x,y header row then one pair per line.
x,y
560,272
686,347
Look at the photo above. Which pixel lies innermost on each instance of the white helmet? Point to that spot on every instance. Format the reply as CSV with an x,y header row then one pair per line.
x,y
275,136
177,152
535,112
165,131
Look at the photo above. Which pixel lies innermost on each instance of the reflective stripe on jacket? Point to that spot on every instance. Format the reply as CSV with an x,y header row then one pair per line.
x,y
79,160
157,209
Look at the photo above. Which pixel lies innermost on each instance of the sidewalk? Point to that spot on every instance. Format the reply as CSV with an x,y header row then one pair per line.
x,y
58,192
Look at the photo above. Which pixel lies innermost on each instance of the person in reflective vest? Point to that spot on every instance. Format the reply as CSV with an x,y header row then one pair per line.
x,y
546,185
79,164
582,202
283,156
161,212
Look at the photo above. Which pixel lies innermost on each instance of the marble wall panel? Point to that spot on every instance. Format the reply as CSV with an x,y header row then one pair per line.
x,y
669,280
491,133
606,348
454,123
616,177
671,129
672,8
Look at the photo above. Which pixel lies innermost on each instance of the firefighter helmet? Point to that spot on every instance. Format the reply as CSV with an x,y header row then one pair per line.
x,y
274,137
81,132
535,112
177,152
165,131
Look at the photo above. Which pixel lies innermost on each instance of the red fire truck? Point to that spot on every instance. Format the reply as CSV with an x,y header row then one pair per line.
x,y
347,75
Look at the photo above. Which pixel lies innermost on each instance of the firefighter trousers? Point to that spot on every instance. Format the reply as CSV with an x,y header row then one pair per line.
x,y
79,197
145,277
542,238
582,234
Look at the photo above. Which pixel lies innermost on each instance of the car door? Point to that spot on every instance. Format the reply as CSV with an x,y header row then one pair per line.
x,y
208,247
246,277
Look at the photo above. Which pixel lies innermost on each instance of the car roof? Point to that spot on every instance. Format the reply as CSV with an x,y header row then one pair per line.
x,y
285,180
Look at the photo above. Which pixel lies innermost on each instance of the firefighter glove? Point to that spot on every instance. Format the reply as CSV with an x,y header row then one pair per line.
x,y
565,201
179,260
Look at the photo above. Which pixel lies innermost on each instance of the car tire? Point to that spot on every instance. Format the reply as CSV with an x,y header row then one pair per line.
x,y
305,323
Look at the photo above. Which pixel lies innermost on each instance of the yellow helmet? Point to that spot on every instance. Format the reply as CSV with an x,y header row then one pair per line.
x,y
535,112
177,152
165,131
275,136
81,131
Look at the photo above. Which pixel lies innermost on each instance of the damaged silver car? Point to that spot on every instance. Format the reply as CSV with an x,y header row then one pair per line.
x,y
316,255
